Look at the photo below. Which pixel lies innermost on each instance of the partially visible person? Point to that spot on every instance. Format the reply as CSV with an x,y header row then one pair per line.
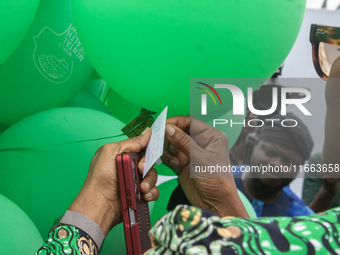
x,y
323,193
269,193
319,192
278,147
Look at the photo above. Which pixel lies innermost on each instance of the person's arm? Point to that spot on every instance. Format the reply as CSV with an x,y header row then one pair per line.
x,y
324,197
191,144
331,148
318,192
97,207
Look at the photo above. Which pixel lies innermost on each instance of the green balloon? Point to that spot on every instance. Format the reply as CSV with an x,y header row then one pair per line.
x,y
48,67
18,234
148,51
87,100
45,178
15,19
165,191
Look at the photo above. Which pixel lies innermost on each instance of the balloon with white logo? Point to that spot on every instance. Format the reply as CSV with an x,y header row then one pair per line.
x,y
48,67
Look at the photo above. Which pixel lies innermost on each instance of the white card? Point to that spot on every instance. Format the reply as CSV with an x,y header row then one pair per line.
x,y
154,149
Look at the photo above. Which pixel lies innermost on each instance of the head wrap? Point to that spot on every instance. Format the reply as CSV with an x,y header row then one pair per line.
x,y
296,138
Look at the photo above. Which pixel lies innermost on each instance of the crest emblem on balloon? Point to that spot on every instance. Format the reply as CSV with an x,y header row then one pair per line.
x,y
57,65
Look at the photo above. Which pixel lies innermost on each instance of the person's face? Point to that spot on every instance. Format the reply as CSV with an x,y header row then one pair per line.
x,y
275,155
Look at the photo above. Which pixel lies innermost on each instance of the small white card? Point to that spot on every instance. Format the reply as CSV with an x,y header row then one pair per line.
x,y
154,149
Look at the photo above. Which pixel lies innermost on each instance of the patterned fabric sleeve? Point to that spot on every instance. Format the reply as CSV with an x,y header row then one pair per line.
x,y
190,230
68,240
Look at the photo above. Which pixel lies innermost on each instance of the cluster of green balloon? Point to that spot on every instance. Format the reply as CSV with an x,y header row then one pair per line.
x,y
15,19
18,234
44,179
48,67
148,51
165,191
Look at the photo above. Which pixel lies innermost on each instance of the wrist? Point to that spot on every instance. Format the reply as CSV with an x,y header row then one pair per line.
x,y
230,203
95,206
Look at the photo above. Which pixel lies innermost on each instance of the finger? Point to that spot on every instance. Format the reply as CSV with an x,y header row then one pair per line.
x,y
141,164
183,122
149,181
190,125
169,146
182,142
178,138
134,144
177,163
169,159
152,195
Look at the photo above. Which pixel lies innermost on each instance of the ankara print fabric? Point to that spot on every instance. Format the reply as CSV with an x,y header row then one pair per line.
x,y
68,240
190,230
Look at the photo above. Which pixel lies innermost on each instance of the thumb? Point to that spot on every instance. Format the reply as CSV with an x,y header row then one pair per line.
x,y
181,140
178,138
135,144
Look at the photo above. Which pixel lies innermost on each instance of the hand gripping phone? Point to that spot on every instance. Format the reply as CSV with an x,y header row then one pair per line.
x,y
136,217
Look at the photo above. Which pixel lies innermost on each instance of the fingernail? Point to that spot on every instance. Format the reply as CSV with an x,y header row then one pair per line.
x,y
147,186
174,163
173,149
169,130
148,195
145,131
141,165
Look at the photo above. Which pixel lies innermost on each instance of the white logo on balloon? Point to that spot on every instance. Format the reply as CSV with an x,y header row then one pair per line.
x,y
54,53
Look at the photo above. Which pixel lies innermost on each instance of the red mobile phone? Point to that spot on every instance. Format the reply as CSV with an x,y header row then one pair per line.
x,y
136,217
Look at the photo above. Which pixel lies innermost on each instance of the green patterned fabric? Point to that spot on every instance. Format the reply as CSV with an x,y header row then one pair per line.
x,y
68,240
190,230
